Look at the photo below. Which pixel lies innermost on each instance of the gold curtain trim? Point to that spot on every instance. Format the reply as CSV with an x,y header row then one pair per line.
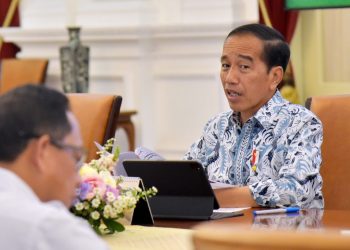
x,y
264,13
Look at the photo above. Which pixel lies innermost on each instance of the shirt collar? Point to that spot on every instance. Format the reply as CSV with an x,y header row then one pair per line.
x,y
235,118
10,181
266,113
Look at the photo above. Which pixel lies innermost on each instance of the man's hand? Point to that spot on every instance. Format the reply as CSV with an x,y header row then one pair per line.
x,y
235,197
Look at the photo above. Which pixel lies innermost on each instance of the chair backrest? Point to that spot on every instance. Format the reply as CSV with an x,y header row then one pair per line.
x,y
229,237
18,72
97,115
334,112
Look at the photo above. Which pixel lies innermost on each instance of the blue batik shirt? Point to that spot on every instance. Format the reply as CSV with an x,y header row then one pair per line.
x,y
277,153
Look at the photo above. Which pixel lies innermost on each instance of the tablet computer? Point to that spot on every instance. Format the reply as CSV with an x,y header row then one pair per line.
x,y
184,191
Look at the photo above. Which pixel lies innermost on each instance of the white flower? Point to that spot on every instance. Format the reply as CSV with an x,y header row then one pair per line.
x,y
110,197
106,214
115,203
86,171
129,193
105,162
114,213
118,210
122,201
107,211
95,215
108,208
118,205
109,162
130,201
108,178
79,206
95,202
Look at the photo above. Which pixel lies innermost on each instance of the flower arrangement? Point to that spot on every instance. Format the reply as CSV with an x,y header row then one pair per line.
x,y
101,199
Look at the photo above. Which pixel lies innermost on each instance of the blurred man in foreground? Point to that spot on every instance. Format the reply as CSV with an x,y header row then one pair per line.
x,y
40,153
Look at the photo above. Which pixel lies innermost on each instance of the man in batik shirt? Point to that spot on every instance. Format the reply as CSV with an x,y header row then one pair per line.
x,y
266,146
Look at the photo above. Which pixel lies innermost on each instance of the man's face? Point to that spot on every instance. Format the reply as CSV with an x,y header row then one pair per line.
x,y
244,76
62,171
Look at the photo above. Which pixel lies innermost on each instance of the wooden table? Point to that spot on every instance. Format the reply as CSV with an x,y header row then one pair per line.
x,y
307,230
310,218
170,234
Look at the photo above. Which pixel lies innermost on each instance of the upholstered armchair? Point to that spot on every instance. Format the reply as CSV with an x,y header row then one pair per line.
x,y
98,117
18,72
334,112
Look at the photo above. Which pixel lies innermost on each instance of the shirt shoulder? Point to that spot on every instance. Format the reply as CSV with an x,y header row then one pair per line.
x,y
298,112
223,117
45,226
279,110
59,229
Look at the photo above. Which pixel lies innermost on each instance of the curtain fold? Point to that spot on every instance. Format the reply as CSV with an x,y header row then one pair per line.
x,y
284,21
8,50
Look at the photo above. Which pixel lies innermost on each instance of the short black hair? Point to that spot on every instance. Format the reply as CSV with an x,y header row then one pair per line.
x,y
28,112
276,50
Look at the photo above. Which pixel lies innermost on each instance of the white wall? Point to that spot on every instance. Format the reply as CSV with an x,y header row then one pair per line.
x,y
162,56
320,52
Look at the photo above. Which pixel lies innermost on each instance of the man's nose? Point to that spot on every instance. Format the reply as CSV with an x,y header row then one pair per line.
x,y
232,76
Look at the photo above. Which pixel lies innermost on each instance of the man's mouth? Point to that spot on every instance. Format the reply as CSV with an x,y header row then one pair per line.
x,y
232,93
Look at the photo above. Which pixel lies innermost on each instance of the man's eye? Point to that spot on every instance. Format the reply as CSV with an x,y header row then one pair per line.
x,y
225,66
243,67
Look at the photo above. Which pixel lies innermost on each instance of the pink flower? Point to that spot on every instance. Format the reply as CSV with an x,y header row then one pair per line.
x,y
96,187
114,191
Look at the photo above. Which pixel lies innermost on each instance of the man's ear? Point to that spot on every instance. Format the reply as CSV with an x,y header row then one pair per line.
x,y
40,153
276,74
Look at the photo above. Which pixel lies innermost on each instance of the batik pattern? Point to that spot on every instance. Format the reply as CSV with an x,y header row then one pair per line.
x,y
288,139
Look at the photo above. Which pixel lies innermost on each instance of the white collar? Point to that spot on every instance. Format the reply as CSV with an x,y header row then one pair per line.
x,y
10,181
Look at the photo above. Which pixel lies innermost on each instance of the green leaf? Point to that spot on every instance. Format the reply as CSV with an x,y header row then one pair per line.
x,y
97,230
116,153
114,225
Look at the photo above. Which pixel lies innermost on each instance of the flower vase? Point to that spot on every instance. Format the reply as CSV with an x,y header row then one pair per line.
x,y
74,60
127,219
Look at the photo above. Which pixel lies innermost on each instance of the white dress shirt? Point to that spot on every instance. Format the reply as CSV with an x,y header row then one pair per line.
x,y
28,223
